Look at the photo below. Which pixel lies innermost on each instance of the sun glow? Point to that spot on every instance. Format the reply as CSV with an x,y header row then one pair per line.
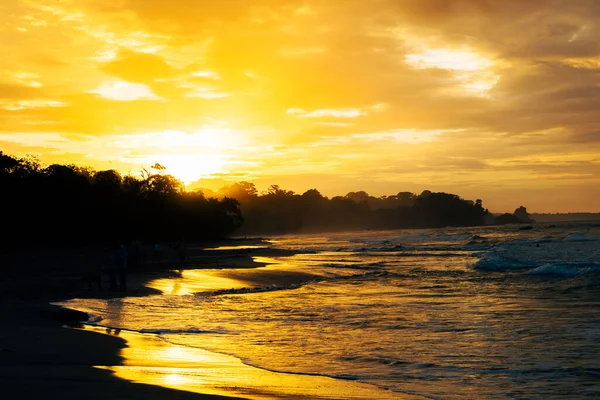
x,y
191,167
191,156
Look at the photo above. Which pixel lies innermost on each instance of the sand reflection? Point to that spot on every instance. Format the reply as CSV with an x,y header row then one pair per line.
x,y
241,247
274,273
150,360
195,281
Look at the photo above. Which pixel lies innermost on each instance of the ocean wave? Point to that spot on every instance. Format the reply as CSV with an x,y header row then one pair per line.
x,y
403,244
346,377
292,286
190,331
262,289
426,252
398,247
478,237
95,321
433,253
579,237
566,269
338,261
556,270
477,245
445,237
367,267
493,262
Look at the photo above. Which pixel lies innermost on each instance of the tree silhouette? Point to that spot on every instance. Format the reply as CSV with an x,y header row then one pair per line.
x,y
70,205
282,211
243,191
100,206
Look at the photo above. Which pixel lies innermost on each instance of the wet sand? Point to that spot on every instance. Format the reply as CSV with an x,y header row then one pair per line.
x,y
41,356
150,360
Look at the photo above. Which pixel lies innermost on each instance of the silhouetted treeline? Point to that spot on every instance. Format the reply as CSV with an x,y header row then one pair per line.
x,y
71,205
282,211
565,217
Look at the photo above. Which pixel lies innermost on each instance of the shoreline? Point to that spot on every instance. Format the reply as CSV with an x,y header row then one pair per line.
x,y
151,360
41,353
78,359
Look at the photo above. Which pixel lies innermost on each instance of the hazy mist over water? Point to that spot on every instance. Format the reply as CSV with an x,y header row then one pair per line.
x,y
488,312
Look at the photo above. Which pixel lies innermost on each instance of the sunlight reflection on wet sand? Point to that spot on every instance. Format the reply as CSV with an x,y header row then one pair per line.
x,y
242,247
195,281
150,360
275,272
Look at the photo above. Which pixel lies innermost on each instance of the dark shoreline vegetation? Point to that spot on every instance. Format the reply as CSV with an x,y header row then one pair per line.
x,y
69,205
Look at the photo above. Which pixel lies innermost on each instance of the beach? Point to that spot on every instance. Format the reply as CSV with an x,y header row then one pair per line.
x,y
458,313
43,349
41,358
46,350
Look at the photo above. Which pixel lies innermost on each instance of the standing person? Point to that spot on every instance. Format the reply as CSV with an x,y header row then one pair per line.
x,y
112,261
121,266
181,251
135,254
157,250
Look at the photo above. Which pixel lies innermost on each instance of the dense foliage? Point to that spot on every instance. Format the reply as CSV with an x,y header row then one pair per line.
x,y
283,211
70,205
67,204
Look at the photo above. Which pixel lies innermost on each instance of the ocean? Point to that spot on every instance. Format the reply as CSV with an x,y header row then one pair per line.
x,y
453,313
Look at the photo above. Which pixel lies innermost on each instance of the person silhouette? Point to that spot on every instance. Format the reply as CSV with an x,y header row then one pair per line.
x,y
182,251
157,251
121,266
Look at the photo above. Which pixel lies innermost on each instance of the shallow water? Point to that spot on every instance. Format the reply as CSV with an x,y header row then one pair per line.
x,y
452,313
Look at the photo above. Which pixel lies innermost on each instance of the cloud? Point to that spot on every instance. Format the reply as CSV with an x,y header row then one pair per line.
x,y
138,67
342,113
180,15
124,91
26,104
408,91
18,91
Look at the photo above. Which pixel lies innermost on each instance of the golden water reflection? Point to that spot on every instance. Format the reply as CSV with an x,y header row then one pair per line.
x,y
195,281
150,360
241,247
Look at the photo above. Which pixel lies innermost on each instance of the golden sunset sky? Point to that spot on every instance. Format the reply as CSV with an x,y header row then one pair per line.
x,y
491,99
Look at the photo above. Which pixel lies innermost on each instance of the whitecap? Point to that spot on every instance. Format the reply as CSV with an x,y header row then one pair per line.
x,y
492,262
556,269
579,237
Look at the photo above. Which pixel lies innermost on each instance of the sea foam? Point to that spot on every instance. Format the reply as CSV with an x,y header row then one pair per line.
x,y
556,270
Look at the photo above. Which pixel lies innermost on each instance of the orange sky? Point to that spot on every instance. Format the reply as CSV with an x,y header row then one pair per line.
x,y
491,99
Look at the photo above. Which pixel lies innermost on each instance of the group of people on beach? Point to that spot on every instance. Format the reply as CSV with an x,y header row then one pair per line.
x,y
118,275
135,256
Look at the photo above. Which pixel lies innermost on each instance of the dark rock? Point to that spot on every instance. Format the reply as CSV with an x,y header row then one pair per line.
x,y
505,219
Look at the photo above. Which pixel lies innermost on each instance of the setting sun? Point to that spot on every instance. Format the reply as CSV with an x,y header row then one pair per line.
x,y
190,167
187,156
